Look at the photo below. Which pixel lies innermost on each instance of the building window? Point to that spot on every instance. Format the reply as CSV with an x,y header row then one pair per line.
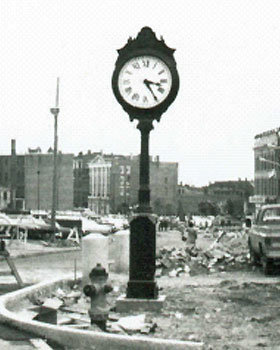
x,y
5,196
128,169
122,169
166,180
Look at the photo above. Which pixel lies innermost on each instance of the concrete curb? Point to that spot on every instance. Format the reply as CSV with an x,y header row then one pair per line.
x,y
43,252
80,339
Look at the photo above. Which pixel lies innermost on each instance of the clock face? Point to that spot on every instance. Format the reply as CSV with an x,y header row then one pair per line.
x,y
144,81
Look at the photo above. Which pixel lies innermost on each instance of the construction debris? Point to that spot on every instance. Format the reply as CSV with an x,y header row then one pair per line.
x,y
228,251
40,344
68,308
134,324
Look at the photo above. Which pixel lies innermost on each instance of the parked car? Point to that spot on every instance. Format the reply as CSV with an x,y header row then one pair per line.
x,y
264,237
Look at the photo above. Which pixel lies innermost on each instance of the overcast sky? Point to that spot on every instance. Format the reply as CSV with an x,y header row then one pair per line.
x,y
228,59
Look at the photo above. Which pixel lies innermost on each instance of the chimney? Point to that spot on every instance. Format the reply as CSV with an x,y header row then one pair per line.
x,y
13,147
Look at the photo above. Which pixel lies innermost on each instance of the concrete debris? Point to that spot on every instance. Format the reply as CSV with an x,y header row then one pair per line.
x,y
74,309
74,294
60,293
113,327
56,310
80,318
53,303
40,344
131,325
113,317
179,315
65,321
229,250
27,315
79,326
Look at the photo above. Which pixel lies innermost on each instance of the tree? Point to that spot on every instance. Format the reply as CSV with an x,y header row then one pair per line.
x,y
169,209
229,207
208,208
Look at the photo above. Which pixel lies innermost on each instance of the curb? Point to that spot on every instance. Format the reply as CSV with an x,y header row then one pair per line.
x,y
80,339
43,252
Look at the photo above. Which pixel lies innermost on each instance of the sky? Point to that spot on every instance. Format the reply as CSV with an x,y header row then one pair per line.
x,y
228,60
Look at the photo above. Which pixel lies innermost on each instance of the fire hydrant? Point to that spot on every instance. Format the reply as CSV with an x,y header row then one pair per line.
x,y
97,290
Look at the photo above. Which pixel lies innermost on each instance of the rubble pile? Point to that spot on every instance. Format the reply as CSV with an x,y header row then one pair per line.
x,y
229,251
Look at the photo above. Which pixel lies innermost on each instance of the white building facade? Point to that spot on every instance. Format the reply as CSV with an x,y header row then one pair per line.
x,y
99,179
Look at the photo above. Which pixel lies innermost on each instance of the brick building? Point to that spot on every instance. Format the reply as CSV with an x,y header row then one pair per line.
x,y
12,179
121,184
163,185
189,198
81,178
39,181
120,176
218,193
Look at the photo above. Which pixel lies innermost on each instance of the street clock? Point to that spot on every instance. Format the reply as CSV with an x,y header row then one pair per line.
x,y
145,80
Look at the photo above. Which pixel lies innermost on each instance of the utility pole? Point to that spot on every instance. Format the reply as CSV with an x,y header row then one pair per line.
x,y
55,112
38,190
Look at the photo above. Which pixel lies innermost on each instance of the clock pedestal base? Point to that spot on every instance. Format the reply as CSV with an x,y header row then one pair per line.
x,y
142,257
126,305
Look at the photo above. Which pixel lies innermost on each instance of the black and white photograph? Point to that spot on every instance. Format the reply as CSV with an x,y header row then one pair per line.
x,y
139,174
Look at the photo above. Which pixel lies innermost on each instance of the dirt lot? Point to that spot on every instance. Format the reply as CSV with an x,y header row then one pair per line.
x,y
235,309
229,315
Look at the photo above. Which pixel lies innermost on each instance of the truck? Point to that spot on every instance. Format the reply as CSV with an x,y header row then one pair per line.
x,y
264,237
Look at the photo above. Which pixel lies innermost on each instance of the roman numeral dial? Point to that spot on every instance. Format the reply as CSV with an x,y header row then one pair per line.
x,y
144,81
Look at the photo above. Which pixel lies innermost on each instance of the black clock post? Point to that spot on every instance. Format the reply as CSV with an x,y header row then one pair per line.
x,y
143,230
144,64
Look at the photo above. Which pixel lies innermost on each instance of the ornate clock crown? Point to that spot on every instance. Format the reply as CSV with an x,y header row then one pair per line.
x,y
146,38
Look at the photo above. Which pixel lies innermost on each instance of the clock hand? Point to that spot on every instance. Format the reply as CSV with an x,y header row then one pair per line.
x,y
147,83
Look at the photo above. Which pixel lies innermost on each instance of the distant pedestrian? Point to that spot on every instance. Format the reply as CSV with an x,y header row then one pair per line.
x,y
190,236
192,233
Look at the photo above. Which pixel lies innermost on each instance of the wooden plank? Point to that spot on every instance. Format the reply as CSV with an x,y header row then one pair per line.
x,y
14,270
